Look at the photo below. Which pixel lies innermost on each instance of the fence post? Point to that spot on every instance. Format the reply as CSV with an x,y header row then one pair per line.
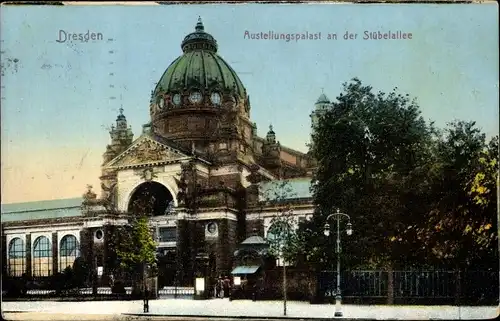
x,y
390,285
458,292
94,277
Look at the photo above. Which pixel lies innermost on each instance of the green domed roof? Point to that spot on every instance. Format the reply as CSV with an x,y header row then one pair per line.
x,y
199,67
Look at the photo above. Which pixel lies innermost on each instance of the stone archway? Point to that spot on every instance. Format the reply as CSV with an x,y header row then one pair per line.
x,y
150,198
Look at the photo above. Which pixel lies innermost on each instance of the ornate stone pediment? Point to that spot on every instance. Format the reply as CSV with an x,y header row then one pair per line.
x,y
146,151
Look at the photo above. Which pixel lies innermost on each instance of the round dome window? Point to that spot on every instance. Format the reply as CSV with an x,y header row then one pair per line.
x,y
99,234
177,99
212,228
215,98
195,97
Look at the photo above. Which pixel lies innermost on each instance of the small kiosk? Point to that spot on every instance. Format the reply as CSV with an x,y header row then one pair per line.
x,y
249,274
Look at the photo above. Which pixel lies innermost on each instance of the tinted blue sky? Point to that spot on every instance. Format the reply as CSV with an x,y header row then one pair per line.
x,y
56,102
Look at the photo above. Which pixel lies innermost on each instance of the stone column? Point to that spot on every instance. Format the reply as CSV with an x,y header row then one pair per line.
x,y
222,248
55,254
183,253
232,240
197,235
5,254
29,267
225,246
105,269
86,250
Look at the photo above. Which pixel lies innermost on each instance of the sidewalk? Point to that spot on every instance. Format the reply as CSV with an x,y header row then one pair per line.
x,y
223,308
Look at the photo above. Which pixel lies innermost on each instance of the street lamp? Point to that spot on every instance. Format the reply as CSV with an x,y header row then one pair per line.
x,y
338,216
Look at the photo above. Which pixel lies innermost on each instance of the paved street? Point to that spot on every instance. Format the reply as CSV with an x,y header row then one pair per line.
x,y
246,308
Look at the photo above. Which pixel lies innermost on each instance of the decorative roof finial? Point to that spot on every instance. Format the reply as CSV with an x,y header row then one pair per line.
x,y
199,25
121,111
89,195
270,127
322,90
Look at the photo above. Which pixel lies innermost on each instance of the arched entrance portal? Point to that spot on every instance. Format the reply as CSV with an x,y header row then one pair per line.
x,y
151,199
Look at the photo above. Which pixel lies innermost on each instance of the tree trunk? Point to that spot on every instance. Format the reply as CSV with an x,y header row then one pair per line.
x,y
138,281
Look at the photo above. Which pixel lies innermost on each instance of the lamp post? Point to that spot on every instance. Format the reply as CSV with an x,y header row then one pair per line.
x,y
338,216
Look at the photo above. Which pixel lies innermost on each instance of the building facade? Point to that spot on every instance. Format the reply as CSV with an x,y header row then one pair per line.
x,y
198,162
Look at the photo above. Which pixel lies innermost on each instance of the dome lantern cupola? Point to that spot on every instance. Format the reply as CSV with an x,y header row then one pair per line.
x,y
271,151
121,121
271,135
323,99
199,25
199,39
323,102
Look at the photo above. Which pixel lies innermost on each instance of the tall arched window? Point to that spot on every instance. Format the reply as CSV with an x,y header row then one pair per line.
x,y
17,257
277,231
42,257
68,251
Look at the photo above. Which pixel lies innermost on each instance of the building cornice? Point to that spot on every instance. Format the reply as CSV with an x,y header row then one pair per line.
x,y
297,212
209,215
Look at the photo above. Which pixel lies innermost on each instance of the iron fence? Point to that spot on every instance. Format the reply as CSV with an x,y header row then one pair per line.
x,y
425,284
466,286
176,291
366,283
469,287
355,283
165,291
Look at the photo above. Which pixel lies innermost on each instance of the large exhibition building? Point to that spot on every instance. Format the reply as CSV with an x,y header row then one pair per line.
x,y
199,160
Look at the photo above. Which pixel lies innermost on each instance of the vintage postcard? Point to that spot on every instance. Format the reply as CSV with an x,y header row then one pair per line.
x,y
222,160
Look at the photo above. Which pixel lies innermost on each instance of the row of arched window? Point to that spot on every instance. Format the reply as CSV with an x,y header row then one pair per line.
x,y
42,255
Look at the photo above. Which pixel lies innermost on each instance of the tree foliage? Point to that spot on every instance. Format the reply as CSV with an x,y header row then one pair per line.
x,y
137,245
459,227
282,234
81,271
134,245
416,195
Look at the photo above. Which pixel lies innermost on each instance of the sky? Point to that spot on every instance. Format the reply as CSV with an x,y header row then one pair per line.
x,y
60,98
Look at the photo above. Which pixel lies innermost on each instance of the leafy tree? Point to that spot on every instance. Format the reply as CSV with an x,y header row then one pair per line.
x,y
138,246
81,272
282,235
417,196
459,229
134,245
371,149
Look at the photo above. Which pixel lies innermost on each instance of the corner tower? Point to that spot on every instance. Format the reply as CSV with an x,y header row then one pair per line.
x,y
121,138
322,105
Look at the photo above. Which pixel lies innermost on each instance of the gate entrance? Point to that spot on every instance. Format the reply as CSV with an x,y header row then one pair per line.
x,y
151,199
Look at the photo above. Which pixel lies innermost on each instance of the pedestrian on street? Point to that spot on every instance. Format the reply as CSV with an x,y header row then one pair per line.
x,y
218,288
226,286
111,280
146,300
